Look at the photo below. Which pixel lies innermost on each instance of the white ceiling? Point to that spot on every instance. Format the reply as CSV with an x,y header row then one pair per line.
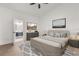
x,y
31,9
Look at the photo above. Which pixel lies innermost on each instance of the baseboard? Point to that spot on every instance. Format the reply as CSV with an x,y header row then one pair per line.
x,y
9,44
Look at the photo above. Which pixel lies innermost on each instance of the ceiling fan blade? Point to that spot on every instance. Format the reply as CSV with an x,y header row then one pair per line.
x,y
39,6
45,3
32,3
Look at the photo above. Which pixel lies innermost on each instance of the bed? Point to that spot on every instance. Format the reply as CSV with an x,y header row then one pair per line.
x,y
53,44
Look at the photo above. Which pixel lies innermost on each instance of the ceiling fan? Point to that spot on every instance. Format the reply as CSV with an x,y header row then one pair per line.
x,y
39,4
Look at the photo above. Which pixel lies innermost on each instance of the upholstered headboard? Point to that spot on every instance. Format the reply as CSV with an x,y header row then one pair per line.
x,y
58,33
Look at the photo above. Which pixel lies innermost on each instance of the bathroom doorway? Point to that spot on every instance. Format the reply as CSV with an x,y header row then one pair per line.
x,y
18,29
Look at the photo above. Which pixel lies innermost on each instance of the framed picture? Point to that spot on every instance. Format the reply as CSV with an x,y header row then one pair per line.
x,y
59,23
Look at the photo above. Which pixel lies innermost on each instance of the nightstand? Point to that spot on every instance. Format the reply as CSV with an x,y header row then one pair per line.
x,y
74,41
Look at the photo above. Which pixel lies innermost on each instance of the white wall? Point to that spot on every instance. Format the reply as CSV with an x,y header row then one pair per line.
x,y
68,11
5,26
6,23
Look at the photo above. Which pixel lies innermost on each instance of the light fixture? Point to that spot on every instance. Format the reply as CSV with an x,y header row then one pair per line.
x,y
39,4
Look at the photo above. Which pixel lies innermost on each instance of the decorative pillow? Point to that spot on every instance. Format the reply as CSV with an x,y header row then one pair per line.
x,y
63,34
50,33
57,33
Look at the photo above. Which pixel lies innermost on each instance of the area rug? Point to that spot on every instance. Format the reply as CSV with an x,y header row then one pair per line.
x,y
26,49
71,51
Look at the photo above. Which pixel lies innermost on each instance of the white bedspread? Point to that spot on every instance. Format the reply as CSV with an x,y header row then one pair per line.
x,y
51,43
61,41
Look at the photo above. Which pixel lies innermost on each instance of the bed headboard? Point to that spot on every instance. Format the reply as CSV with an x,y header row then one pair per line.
x,y
59,33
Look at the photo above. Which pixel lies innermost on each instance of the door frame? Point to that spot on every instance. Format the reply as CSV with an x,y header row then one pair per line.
x,y
14,35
